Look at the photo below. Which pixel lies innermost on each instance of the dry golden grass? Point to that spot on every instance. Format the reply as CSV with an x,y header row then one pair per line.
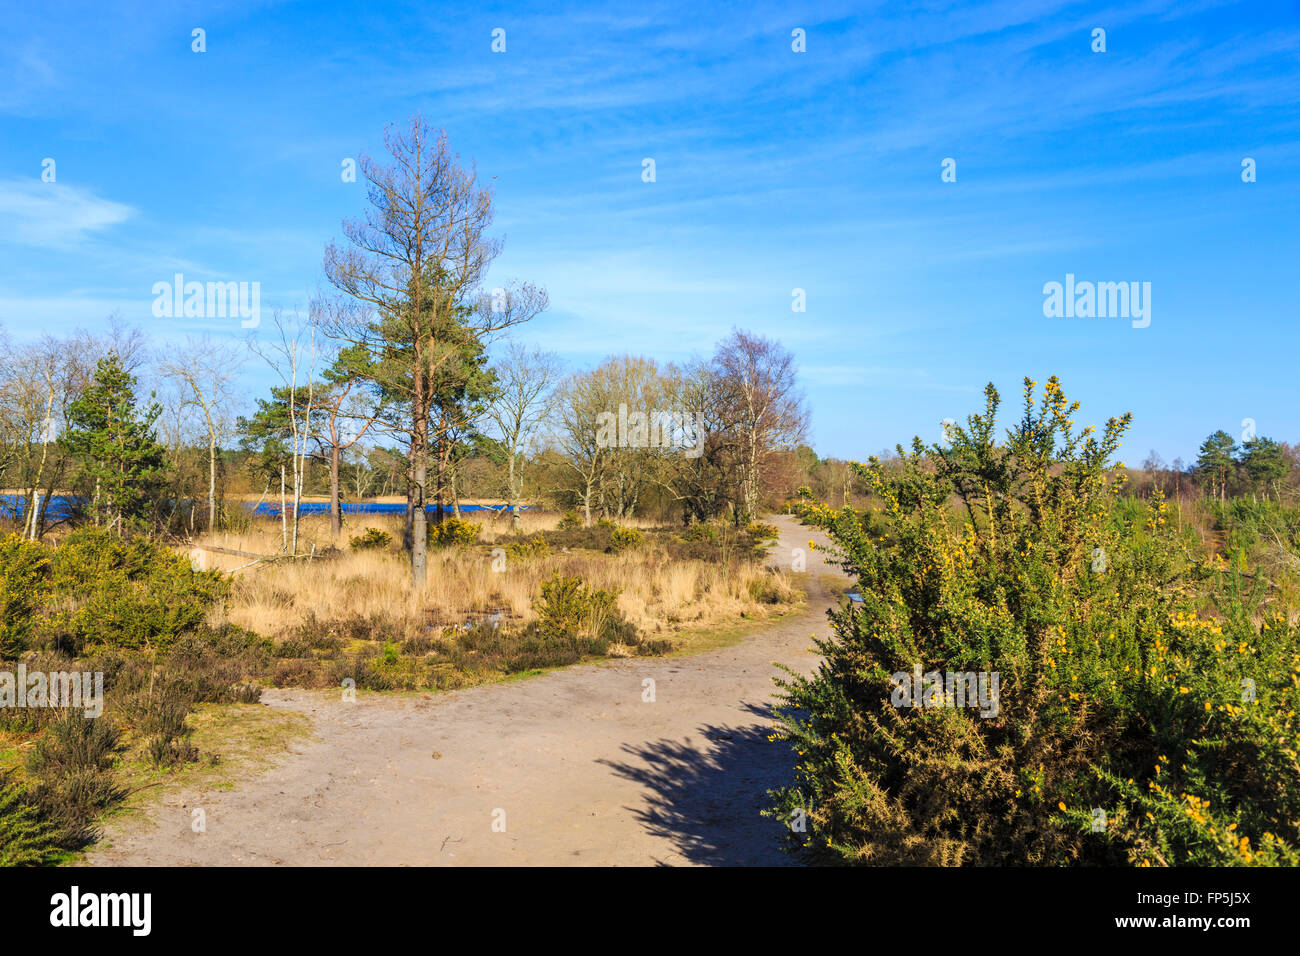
x,y
498,526
659,594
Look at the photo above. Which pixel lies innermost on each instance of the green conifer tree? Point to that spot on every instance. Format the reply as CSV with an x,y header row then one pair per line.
x,y
116,445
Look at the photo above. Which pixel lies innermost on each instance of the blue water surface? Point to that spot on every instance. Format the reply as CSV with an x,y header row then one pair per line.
x,y
61,507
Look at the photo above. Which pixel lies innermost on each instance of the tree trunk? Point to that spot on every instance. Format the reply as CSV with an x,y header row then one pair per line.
x,y
298,478
336,509
516,490
408,532
284,514
420,465
40,469
43,513
419,527
440,475
212,483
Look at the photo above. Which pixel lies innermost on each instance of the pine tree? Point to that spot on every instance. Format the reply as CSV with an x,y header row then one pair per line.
x,y
1264,463
1216,461
116,444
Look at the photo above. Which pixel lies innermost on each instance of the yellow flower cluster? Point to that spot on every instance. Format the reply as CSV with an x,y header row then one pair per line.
x,y
1191,621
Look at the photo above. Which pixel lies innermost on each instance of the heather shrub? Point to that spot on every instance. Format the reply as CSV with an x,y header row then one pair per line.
x,y
69,768
595,538
212,665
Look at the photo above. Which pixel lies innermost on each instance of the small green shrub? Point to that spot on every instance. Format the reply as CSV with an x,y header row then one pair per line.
x,y
656,648
453,530
623,538
167,750
700,531
567,609
374,539
528,549
24,582
129,594
762,532
25,838
570,521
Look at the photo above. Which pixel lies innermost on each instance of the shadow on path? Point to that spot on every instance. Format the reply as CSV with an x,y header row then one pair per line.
x,y
706,796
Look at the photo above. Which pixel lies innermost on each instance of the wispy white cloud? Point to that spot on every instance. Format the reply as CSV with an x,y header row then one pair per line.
x,y
55,215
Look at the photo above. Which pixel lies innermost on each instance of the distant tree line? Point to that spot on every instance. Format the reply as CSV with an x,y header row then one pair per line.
x,y
386,385
1258,466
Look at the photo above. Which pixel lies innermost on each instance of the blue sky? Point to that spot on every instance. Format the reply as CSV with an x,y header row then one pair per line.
x,y
775,170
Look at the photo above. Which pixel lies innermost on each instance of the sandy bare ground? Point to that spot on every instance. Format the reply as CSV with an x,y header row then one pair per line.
x,y
574,764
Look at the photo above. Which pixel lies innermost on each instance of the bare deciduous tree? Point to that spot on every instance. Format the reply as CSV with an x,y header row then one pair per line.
x,y
293,354
526,380
763,407
205,370
345,408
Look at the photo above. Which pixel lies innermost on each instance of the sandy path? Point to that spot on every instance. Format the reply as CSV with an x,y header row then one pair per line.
x,y
584,770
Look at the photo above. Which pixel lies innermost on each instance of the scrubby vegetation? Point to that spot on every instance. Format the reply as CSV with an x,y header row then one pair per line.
x,y
455,531
492,607
135,613
167,637
374,539
1149,664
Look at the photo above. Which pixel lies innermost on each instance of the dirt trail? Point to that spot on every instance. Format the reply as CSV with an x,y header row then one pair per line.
x,y
584,770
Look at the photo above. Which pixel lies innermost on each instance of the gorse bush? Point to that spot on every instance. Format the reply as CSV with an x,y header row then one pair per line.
x,y
528,549
700,531
96,591
624,538
24,582
374,539
135,612
568,609
1135,723
454,531
107,592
